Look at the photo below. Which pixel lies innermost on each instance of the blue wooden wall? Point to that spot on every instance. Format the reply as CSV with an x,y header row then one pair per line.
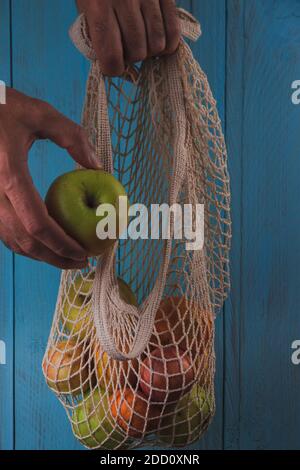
x,y
250,50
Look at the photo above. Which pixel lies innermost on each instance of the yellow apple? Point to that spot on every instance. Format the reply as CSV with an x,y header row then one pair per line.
x,y
66,368
77,319
77,315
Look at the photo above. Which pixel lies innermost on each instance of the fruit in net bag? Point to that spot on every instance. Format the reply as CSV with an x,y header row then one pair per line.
x,y
72,201
93,425
77,317
66,368
134,413
147,132
182,322
166,374
112,373
191,418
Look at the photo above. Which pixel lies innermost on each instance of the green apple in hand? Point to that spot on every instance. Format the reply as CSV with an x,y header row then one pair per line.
x,y
93,425
76,318
192,416
72,200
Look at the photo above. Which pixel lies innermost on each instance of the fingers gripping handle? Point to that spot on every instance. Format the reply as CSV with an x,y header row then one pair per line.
x,y
190,28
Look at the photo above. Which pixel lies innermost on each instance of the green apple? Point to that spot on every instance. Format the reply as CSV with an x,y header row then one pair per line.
x,y
193,414
72,200
77,318
93,425
126,293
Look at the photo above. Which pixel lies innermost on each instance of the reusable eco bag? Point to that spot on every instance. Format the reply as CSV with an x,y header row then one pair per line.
x,y
130,353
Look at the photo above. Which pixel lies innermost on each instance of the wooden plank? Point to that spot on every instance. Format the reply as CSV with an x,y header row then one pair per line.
x,y
234,138
46,65
209,50
271,256
6,273
269,408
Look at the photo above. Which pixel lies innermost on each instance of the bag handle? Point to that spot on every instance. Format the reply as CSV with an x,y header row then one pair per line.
x,y
104,275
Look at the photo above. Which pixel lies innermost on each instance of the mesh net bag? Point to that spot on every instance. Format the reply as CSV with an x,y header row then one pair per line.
x,y
130,353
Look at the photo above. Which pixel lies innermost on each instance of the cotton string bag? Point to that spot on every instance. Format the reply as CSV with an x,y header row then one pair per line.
x,y
131,349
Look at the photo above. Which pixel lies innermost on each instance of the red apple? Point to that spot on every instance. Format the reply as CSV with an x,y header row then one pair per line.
x,y
167,374
185,323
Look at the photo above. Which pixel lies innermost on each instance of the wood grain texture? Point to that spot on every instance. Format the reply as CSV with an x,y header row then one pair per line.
x,y
263,63
209,51
234,139
250,52
270,408
6,272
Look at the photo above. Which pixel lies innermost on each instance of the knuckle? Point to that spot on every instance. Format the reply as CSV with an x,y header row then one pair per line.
x,y
154,13
11,183
37,230
99,27
130,19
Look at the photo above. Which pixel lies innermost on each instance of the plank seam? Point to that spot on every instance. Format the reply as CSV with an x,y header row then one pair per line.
x,y
224,306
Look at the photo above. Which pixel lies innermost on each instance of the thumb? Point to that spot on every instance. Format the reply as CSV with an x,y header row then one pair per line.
x,y
68,135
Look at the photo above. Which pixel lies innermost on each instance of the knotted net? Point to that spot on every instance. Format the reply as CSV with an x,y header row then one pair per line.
x,y
130,353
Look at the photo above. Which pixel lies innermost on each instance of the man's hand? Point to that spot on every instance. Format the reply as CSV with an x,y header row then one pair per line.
x,y
25,225
127,31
